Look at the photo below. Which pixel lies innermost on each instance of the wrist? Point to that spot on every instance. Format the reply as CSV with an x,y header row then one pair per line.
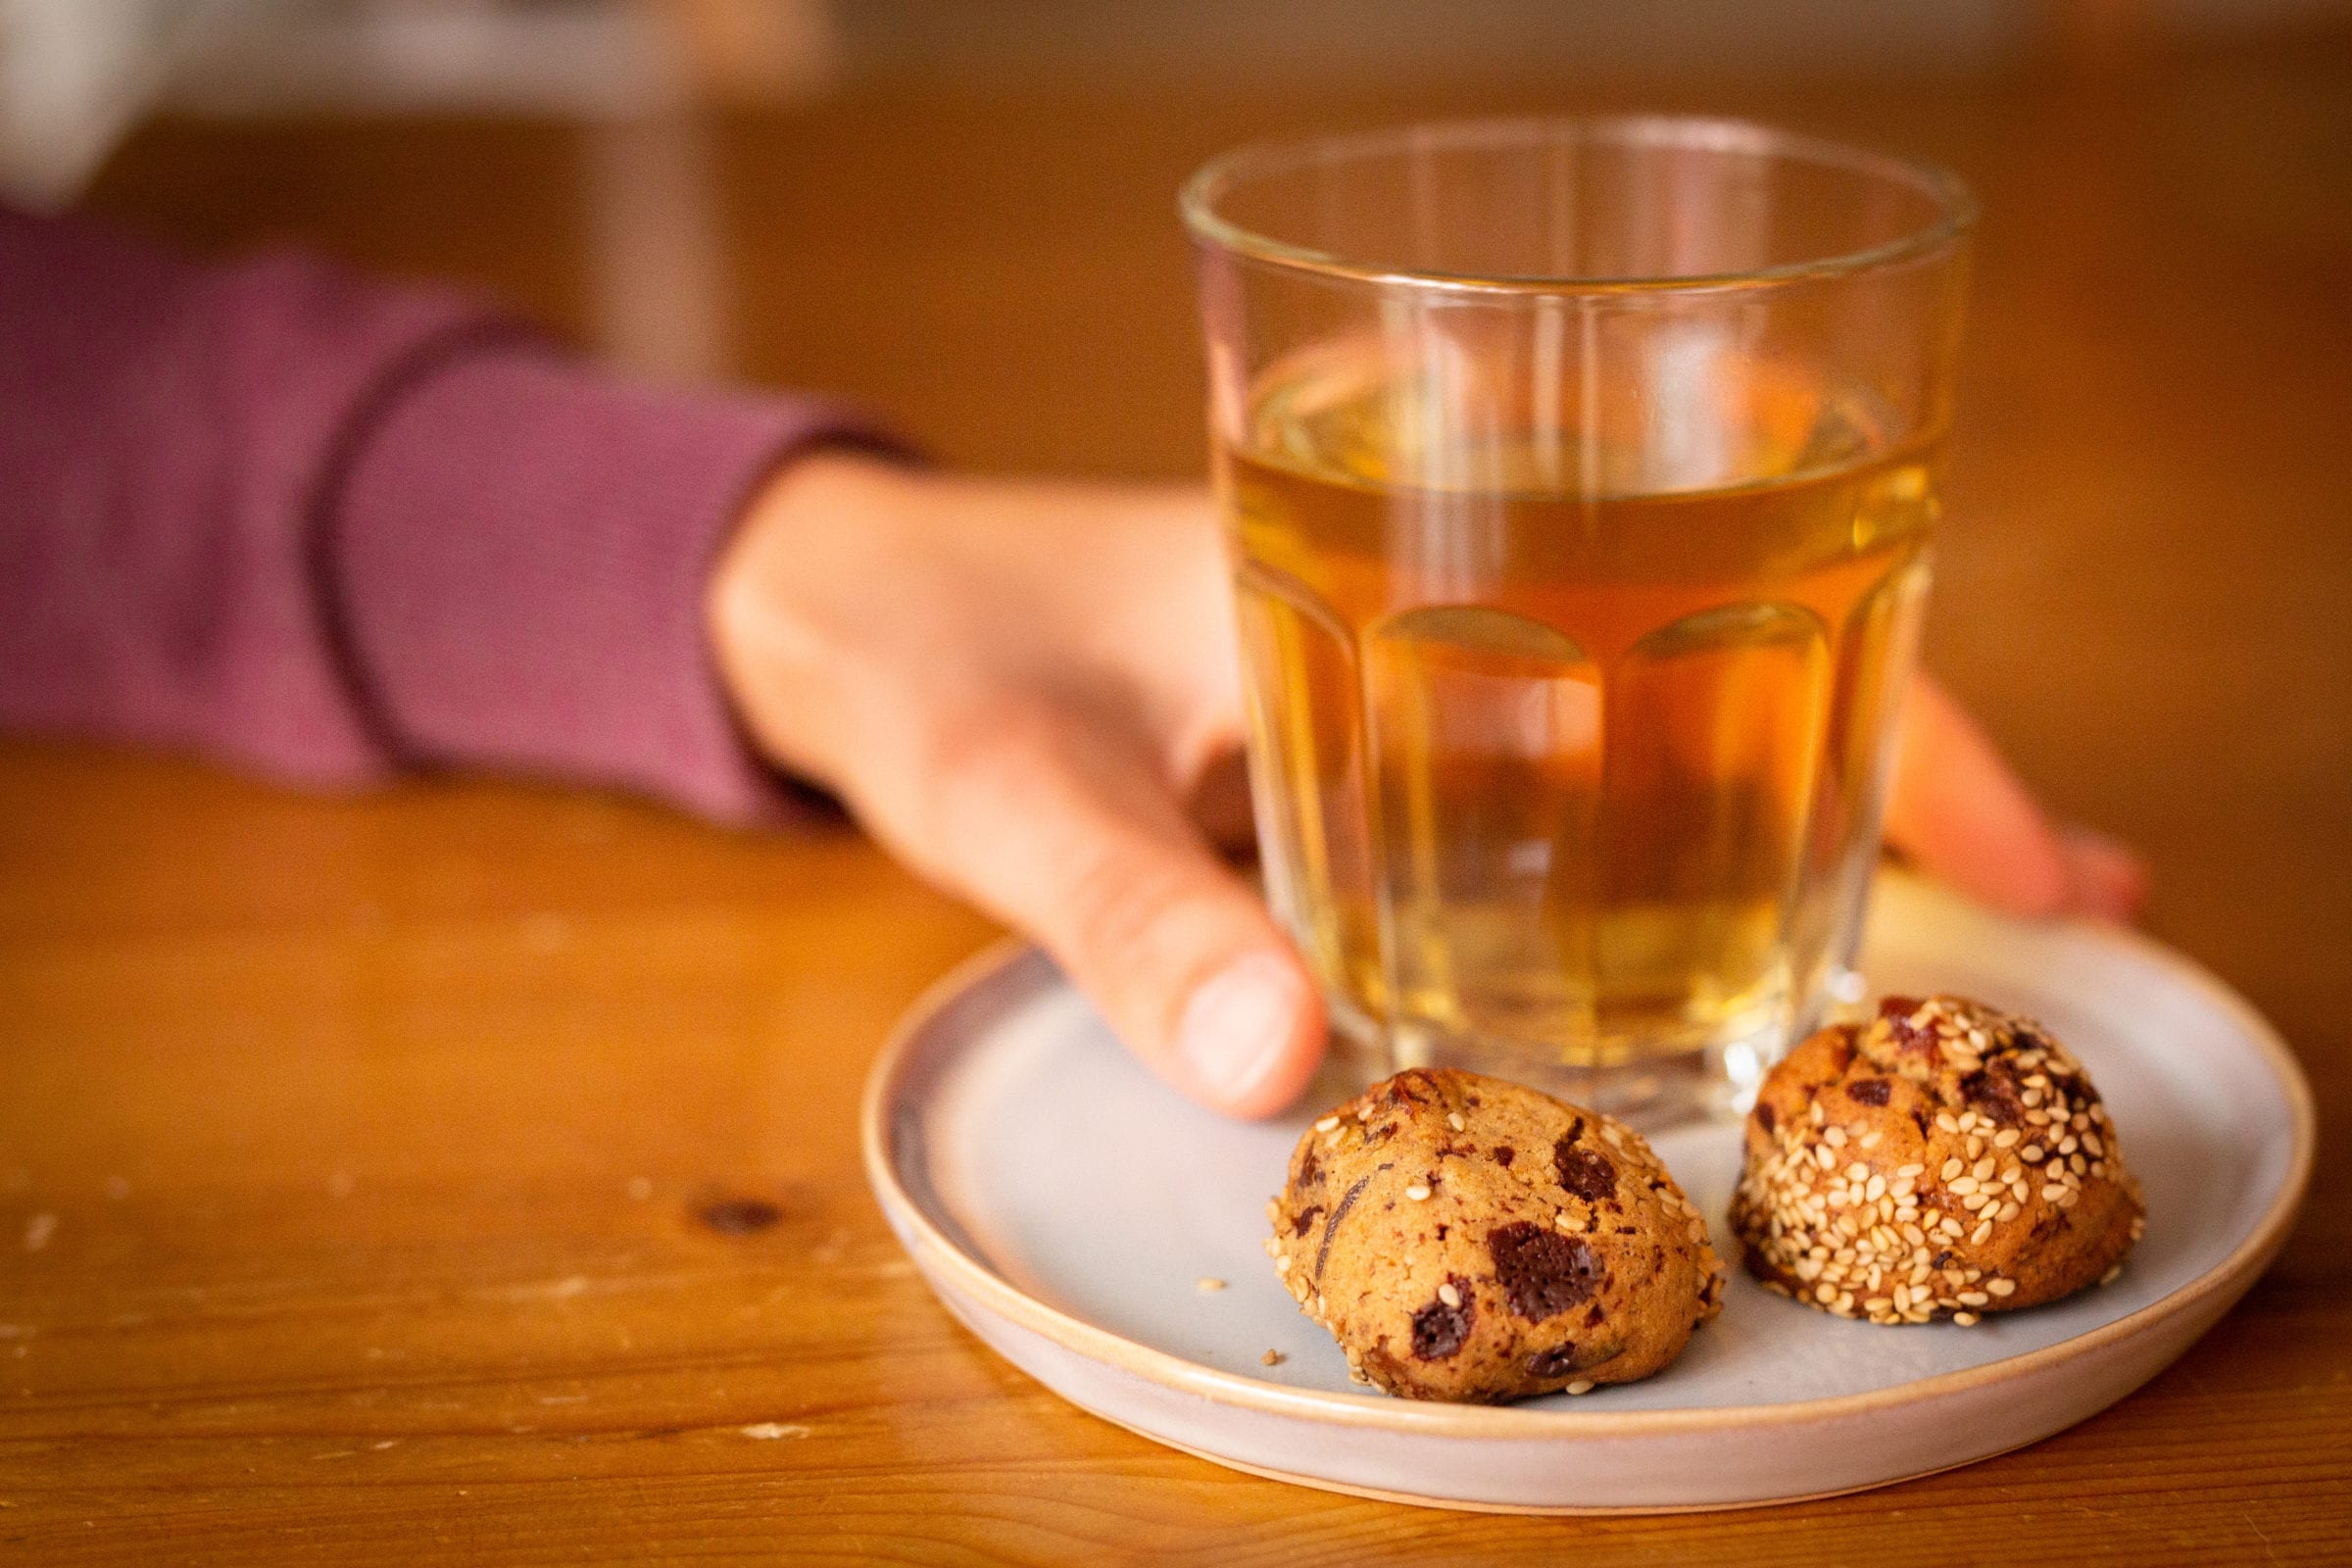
x,y
820,520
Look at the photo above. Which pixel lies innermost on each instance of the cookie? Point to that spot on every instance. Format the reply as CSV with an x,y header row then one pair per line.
x,y
1949,1159
1467,1238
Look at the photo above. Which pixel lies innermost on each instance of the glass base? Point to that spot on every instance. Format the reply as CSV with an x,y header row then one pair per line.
x,y
1714,1082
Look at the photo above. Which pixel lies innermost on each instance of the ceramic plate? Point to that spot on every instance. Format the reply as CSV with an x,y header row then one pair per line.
x,y
1065,1206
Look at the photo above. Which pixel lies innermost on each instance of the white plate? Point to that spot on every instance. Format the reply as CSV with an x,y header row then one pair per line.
x,y
1065,1205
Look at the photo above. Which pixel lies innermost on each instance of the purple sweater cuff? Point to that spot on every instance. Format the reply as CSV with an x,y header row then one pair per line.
x,y
519,550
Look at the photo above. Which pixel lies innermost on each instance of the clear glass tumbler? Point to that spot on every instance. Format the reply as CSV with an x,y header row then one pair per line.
x,y
1579,478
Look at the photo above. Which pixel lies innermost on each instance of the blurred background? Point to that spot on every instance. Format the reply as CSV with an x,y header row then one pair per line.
x,y
962,215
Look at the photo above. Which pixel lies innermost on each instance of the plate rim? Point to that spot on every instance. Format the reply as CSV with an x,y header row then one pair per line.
x,y
1517,1423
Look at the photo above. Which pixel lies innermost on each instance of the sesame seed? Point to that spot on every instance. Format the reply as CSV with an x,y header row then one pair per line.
x,y
2113,1274
1976,1146
2075,1163
1206,1283
1944,1119
2032,1154
1282,1265
1273,1358
1580,1386
1455,1118
2051,1192
2001,1287
1824,1157
1835,1138
1273,1246
1975,1237
1975,1298
1417,1193
1983,1168
1967,1320
2006,1137
1871,1140
1876,1190
1857,1171
1962,1186
1449,1295
1327,1124
1951,1168
2008,1212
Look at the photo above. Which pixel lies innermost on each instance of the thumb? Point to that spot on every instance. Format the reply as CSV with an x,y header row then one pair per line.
x,y
1073,836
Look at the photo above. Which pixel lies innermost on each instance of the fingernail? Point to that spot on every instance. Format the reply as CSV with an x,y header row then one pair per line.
x,y
1236,1024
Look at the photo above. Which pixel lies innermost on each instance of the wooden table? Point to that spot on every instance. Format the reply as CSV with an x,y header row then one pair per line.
x,y
469,1170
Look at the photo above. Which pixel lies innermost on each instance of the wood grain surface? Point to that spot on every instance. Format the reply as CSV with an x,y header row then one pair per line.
x,y
469,1171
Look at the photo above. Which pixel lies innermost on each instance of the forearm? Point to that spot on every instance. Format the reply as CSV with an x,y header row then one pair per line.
x,y
323,529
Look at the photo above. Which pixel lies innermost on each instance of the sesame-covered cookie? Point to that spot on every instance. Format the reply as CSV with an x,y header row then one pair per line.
x,y
1467,1238
1949,1160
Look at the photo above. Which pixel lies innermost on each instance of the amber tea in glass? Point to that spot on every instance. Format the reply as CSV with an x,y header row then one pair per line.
x,y
1580,479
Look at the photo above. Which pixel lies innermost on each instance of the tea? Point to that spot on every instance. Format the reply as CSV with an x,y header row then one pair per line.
x,y
1554,771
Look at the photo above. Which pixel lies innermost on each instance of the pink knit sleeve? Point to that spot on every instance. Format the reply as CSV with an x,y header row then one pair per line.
x,y
327,529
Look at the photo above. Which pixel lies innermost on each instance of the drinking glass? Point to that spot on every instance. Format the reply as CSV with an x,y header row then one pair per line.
x,y
1579,478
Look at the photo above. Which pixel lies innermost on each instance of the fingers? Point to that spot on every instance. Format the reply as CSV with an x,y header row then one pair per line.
x,y
1964,815
1073,837
2106,877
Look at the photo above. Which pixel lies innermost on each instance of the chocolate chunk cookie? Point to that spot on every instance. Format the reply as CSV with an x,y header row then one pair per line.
x,y
1467,1238
1949,1159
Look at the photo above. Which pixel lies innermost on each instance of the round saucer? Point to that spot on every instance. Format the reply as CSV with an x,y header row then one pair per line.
x,y
1104,1235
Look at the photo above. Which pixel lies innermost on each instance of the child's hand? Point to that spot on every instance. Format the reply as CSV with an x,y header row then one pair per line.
x,y
1028,691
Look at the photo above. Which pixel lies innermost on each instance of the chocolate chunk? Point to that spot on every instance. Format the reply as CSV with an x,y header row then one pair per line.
x,y
1504,1154
1309,1170
1765,1118
1584,1172
1895,1012
1868,1091
1557,1362
1438,1330
1543,1273
1993,1090
1307,1219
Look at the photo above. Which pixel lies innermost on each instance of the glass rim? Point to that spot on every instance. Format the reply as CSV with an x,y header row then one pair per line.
x,y
1197,200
